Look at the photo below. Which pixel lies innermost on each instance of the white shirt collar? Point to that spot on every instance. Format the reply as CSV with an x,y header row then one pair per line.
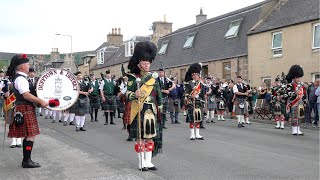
x,y
22,73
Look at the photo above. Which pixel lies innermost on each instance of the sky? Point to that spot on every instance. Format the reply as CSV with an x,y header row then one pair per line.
x,y
29,26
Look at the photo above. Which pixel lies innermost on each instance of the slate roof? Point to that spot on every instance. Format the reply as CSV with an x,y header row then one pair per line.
x,y
290,13
210,42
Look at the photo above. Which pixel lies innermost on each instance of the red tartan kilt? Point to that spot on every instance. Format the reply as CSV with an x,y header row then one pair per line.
x,y
30,125
126,114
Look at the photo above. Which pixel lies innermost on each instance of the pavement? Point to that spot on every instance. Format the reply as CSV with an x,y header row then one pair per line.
x,y
258,151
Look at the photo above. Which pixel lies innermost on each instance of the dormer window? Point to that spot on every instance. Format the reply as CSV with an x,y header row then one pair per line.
x,y
100,56
163,48
233,29
189,41
129,48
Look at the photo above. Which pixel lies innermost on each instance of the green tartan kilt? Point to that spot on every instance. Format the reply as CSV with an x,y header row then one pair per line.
x,y
157,139
82,108
95,102
110,104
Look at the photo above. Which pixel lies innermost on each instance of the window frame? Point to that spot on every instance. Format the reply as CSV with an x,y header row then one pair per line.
x,y
129,48
313,76
266,78
233,23
275,49
224,74
165,50
191,44
313,35
100,56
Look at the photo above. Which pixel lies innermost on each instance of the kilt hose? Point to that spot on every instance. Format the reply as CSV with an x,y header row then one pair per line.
x,y
82,106
95,102
30,124
126,114
238,110
212,103
110,104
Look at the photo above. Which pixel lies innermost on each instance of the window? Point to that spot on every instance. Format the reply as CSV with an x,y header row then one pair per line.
x,y
129,48
85,63
226,70
316,36
189,41
315,76
233,29
277,44
267,81
163,48
100,56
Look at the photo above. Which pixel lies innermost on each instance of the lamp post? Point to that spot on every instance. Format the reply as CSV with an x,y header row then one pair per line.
x,y
71,46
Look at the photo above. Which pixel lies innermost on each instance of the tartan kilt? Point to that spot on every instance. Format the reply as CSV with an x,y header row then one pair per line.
x,y
110,104
212,104
82,110
30,124
95,102
294,118
237,109
126,114
72,109
165,105
282,110
223,107
172,107
157,140
190,115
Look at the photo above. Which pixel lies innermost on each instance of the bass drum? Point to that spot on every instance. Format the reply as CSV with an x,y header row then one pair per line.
x,y
58,84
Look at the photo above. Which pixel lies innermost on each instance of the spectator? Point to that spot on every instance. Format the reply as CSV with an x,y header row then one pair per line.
x,y
317,93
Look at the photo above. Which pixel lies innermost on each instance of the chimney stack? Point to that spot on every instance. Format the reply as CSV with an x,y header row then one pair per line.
x,y
116,38
201,17
160,29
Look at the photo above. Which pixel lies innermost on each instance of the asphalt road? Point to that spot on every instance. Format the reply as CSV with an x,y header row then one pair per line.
x,y
257,151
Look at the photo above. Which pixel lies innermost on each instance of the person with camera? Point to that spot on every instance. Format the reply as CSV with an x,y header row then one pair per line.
x,y
107,94
174,103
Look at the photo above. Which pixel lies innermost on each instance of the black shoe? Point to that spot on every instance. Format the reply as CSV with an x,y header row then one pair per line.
x,y
295,134
13,146
65,123
144,169
112,123
212,121
129,139
30,164
301,134
153,168
96,120
71,123
192,138
41,114
242,125
51,117
239,125
277,127
60,121
177,122
119,116
82,129
165,127
77,129
200,138
19,145
202,127
106,123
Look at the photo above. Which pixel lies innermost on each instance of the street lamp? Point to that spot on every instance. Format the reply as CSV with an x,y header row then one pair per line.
x,y
71,45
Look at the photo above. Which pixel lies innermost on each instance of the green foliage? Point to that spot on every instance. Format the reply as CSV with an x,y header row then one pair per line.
x,y
4,63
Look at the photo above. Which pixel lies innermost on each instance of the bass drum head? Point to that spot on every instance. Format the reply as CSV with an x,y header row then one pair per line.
x,y
58,84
